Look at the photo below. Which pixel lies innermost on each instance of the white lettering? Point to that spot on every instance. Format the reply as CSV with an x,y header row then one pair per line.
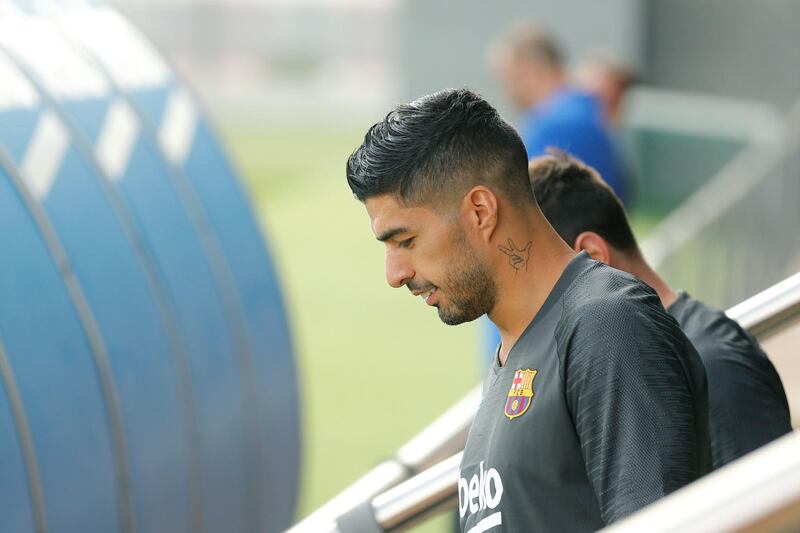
x,y
481,485
463,495
483,491
473,493
493,478
493,520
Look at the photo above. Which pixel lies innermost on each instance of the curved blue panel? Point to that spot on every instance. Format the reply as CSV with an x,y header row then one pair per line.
x,y
221,410
189,144
51,359
175,271
232,219
16,505
118,289
103,124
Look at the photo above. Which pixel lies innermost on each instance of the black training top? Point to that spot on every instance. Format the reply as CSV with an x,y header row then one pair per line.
x,y
746,401
600,409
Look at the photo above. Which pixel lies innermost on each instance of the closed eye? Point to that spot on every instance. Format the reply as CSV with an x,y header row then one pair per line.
x,y
405,243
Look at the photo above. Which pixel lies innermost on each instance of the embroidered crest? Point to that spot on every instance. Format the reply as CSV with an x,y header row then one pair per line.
x,y
520,395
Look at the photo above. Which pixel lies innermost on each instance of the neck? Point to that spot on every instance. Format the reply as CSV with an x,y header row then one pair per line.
x,y
639,268
522,292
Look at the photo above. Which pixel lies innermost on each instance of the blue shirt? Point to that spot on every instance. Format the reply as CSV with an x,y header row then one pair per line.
x,y
573,122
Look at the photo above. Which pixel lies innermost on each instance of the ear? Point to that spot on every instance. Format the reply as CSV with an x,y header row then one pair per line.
x,y
595,245
479,212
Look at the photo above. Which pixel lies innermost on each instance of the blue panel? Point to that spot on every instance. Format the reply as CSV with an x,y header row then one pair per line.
x,y
253,280
196,227
241,240
51,359
145,378
151,102
149,198
16,507
231,218
156,205
121,295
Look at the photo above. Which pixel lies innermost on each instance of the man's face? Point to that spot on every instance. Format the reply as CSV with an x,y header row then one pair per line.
x,y
518,78
431,256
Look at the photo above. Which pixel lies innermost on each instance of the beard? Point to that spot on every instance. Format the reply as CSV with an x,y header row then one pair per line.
x,y
471,291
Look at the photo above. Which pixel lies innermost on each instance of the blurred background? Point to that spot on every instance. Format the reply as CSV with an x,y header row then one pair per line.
x,y
293,85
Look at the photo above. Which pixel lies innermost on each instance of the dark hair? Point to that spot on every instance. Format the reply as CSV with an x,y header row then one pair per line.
x,y
574,198
437,148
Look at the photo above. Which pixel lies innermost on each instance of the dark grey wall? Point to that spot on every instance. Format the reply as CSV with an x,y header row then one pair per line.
x,y
742,48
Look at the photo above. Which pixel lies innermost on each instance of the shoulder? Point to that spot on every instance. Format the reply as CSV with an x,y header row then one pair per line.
x,y
728,352
611,316
715,335
604,294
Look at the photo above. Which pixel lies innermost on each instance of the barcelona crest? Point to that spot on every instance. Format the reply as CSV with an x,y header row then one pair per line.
x,y
520,395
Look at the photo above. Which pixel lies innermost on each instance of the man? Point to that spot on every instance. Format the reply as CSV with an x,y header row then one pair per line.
x,y
747,403
595,405
608,80
530,67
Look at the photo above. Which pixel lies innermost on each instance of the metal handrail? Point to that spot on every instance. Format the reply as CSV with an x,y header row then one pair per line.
x,y
759,492
770,311
441,439
426,491
764,315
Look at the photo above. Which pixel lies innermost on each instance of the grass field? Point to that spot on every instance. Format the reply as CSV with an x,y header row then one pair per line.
x,y
374,365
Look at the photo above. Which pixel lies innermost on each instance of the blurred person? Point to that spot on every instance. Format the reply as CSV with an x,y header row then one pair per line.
x,y
530,66
609,80
747,402
595,404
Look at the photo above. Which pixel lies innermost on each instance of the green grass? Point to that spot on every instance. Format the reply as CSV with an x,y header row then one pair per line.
x,y
375,365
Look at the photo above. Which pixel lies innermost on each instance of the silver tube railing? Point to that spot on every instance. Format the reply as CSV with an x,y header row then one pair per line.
x,y
432,489
441,439
759,492
770,311
365,511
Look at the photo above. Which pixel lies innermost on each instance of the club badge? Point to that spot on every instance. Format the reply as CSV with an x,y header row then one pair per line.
x,y
520,395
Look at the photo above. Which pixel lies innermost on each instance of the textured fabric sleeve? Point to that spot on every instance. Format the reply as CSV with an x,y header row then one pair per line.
x,y
748,406
636,392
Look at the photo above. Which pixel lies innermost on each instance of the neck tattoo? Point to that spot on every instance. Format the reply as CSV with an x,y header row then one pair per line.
x,y
517,257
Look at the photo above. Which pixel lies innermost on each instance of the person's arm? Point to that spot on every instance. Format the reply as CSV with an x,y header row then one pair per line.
x,y
748,406
636,391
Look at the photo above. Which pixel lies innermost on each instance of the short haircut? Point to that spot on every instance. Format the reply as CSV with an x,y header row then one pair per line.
x,y
574,199
438,147
528,41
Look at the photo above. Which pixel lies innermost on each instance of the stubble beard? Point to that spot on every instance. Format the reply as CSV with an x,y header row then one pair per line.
x,y
470,290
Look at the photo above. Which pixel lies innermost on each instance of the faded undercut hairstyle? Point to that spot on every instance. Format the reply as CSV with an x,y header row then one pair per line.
x,y
435,149
574,199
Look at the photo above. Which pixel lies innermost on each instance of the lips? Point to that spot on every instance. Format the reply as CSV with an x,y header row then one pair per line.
x,y
428,296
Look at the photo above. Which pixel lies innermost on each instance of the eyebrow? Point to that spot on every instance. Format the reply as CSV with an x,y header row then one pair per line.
x,y
388,234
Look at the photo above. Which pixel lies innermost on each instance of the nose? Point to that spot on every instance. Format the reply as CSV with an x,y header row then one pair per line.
x,y
398,270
